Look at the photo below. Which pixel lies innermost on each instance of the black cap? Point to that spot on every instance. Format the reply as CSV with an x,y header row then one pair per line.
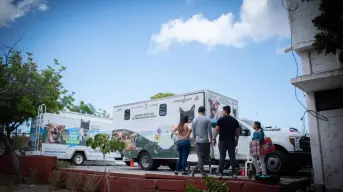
x,y
201,109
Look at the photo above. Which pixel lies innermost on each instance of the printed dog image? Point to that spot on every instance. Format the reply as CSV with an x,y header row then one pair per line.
x,y
83,132
214,105
190,113
54,133
128,137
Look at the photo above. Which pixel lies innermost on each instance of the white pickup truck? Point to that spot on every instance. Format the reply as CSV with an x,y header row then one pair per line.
x,y
292,149
292,153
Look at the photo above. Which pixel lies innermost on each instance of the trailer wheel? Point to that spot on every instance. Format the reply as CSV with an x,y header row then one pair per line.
x,y
78,158
146,162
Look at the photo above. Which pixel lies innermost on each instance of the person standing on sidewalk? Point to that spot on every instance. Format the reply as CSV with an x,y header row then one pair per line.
x,y
182,131
259,135
202,134
229,130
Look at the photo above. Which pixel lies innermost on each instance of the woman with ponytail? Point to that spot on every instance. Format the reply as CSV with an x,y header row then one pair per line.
x,y
258,135
182,131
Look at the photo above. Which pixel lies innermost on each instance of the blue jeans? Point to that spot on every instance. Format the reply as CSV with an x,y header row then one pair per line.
x,y
183,148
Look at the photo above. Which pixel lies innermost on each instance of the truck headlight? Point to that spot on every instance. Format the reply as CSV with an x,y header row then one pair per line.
x,y
295,142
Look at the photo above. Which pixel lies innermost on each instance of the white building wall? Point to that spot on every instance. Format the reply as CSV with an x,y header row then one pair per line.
x,y
326,136
332,148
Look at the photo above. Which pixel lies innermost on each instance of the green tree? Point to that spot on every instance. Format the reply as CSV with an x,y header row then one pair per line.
x,y
106,145
23,87
161,95
83,108
330,27
89,108
26,87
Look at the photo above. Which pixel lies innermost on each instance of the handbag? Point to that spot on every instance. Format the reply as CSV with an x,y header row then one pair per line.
x,y
267,146
254,147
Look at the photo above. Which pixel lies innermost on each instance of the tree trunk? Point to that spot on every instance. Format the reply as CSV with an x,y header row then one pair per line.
x,y
16,164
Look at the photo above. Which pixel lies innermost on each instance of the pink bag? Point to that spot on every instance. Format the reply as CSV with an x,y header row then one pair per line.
x,y
255,149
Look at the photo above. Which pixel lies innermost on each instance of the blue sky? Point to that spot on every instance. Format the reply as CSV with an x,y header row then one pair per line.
x,y
118,52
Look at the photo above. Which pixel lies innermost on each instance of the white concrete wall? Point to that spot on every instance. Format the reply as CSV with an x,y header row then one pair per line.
x,y
313,63
316,149
301,15
332,148
326,136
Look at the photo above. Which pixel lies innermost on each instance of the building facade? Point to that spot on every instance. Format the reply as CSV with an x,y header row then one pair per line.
x,y
322,82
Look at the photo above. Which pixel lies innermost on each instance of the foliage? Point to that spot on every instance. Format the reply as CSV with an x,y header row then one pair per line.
x,y
212,185
23,87
330,27
62,164
20,141
103,142
57,179
161,95
89,109
74,181
91,183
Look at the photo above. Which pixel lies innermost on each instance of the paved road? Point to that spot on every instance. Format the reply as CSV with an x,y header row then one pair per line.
x,y
121,167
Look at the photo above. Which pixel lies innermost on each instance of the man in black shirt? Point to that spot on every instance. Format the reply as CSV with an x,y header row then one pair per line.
x,y
229,130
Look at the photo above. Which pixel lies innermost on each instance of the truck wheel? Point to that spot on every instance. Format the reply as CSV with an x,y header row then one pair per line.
x,y
172,166
275,162
146,162
78,159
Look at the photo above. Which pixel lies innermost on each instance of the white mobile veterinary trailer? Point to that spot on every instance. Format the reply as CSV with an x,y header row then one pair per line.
x,y
64,135
145,126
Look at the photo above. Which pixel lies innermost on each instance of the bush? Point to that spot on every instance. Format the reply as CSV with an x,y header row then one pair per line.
x,y
91,183
57,179
212,185
74,181
63,164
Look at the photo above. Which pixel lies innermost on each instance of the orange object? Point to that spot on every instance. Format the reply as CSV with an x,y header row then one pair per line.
x,y
132,162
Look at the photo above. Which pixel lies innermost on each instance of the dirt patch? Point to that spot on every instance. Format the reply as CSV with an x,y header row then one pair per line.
x,y
7,184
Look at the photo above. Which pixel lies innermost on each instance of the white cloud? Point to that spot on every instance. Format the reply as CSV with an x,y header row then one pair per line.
x,y
259,20
10,11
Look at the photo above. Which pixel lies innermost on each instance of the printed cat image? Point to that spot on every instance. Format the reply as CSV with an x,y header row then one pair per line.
x,y
189,113
84,132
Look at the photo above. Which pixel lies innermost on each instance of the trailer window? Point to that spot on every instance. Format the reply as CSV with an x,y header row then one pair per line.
x,y
127,114
163,109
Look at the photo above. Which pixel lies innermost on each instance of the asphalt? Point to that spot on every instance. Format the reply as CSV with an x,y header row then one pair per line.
x,y
121,167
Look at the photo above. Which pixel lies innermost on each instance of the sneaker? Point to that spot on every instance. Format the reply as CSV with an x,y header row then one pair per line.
x,y
176,173
203,175
220,175
184,173
234,175
193,172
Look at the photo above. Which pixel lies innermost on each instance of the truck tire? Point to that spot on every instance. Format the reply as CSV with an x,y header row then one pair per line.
x,y
275,162
146,162
172,166
78,158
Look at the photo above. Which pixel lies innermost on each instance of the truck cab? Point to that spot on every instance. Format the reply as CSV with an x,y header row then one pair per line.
x,y
288,144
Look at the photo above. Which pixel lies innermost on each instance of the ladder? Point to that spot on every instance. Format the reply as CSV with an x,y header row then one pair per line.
x,y
39,125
